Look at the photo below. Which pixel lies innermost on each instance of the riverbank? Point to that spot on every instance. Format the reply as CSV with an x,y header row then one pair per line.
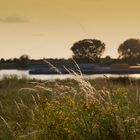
x,y
102,108
25,74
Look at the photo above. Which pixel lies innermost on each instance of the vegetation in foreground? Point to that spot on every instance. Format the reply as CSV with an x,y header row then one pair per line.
x,y
72,109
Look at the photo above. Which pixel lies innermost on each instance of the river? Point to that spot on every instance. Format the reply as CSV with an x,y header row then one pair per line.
x,y
25,73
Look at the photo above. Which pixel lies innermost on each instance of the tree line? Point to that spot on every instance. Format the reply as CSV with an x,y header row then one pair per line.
x,y
22,62
84,51
93,49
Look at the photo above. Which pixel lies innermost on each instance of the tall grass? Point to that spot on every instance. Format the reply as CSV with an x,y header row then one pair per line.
x,y
71,109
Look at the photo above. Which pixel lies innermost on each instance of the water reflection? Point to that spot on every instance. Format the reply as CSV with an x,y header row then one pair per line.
x,y
25,73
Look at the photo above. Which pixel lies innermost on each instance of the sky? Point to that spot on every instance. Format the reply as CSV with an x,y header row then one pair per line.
x,y
49,28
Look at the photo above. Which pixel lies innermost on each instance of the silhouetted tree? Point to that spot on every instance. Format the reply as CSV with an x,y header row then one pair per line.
x,y
2,60
15,60
130,49
108,58
24,61
88,49
9,60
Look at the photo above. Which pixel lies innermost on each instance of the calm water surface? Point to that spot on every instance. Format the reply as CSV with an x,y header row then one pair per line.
x,y
25,73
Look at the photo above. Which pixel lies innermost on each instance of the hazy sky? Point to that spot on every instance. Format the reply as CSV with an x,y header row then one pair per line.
x,y
48,28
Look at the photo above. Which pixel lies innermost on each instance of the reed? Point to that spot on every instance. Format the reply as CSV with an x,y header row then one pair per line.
x,y
71,109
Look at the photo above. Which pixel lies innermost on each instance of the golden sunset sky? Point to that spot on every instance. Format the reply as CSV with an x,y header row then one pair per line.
x,y
48,28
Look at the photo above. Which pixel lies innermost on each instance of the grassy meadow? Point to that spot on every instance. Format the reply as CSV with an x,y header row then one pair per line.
x,y
71,109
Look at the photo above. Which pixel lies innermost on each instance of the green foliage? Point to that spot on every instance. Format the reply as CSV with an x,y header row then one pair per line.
x,y
69,110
